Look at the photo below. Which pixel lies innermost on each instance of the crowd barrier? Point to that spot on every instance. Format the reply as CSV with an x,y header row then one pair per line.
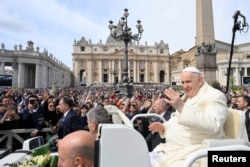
x,y
15,134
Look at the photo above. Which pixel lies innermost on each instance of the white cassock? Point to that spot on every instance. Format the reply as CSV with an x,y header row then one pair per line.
x,y
202,117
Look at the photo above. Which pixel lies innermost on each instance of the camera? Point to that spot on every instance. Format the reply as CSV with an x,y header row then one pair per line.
x,y
32,102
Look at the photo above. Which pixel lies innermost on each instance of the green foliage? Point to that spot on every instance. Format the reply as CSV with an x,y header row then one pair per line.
x,y
40,157
232,83
215,84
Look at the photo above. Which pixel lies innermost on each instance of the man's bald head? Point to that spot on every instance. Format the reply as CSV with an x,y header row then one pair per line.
x,y
160,106
77,147
81,137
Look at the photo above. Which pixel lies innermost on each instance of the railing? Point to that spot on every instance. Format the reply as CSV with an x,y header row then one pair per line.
x,y
14,134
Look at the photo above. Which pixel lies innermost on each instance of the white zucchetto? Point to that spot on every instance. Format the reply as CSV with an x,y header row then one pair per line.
x,y
191,69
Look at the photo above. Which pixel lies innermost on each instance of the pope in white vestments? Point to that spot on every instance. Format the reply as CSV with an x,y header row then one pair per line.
x,y
200,114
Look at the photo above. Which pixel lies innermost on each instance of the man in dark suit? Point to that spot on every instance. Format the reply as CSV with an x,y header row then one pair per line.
x,y
71,121
243,102
163,109
32,116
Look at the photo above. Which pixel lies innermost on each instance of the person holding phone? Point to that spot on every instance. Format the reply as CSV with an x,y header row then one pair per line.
x,y
33,116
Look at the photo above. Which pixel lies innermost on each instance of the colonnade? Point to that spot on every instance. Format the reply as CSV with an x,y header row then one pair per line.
x,y
31,69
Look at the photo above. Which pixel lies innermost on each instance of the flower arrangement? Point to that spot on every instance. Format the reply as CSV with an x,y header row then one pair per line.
x,y
34,161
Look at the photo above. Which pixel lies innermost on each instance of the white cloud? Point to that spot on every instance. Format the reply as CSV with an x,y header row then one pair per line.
x,y
54,24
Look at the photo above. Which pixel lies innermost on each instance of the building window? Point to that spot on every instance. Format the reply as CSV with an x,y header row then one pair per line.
x,y
161,51
95,49
162,76
131,79
82,48
116,79
105,78
141,77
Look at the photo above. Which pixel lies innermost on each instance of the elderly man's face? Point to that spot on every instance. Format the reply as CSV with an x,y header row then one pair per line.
x,y
65,158
191,83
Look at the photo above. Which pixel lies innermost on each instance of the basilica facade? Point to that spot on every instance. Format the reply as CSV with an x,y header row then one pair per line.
x,y
104,62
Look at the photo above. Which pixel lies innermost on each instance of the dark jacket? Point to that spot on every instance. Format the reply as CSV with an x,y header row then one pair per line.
x,y
153,139
33,120
247,122
72,122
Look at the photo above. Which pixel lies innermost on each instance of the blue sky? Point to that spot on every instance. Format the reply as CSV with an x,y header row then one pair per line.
x,y
55,24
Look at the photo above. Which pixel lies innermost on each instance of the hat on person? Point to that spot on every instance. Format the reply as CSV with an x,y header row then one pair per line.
x,y
192,69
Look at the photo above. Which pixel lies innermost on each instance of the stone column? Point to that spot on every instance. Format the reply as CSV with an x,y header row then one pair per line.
x,y
21,75
156,72
2,68
146,72
89,71
100,71
110,71
44,76
135,71
38,76
49,77
14,78
245,71
78,79
120,71
237,75
219,74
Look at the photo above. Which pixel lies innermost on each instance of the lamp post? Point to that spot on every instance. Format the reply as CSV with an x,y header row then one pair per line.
x,y
122,32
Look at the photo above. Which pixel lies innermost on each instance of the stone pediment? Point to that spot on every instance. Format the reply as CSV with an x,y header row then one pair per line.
x,y
82,41
162,45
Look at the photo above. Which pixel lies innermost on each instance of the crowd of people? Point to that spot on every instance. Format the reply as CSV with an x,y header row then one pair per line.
x,y
197,112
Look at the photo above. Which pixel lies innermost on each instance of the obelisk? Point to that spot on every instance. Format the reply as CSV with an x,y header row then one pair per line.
x,y
205,41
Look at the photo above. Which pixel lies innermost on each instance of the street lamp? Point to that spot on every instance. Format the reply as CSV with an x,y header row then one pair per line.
x,y
122,32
